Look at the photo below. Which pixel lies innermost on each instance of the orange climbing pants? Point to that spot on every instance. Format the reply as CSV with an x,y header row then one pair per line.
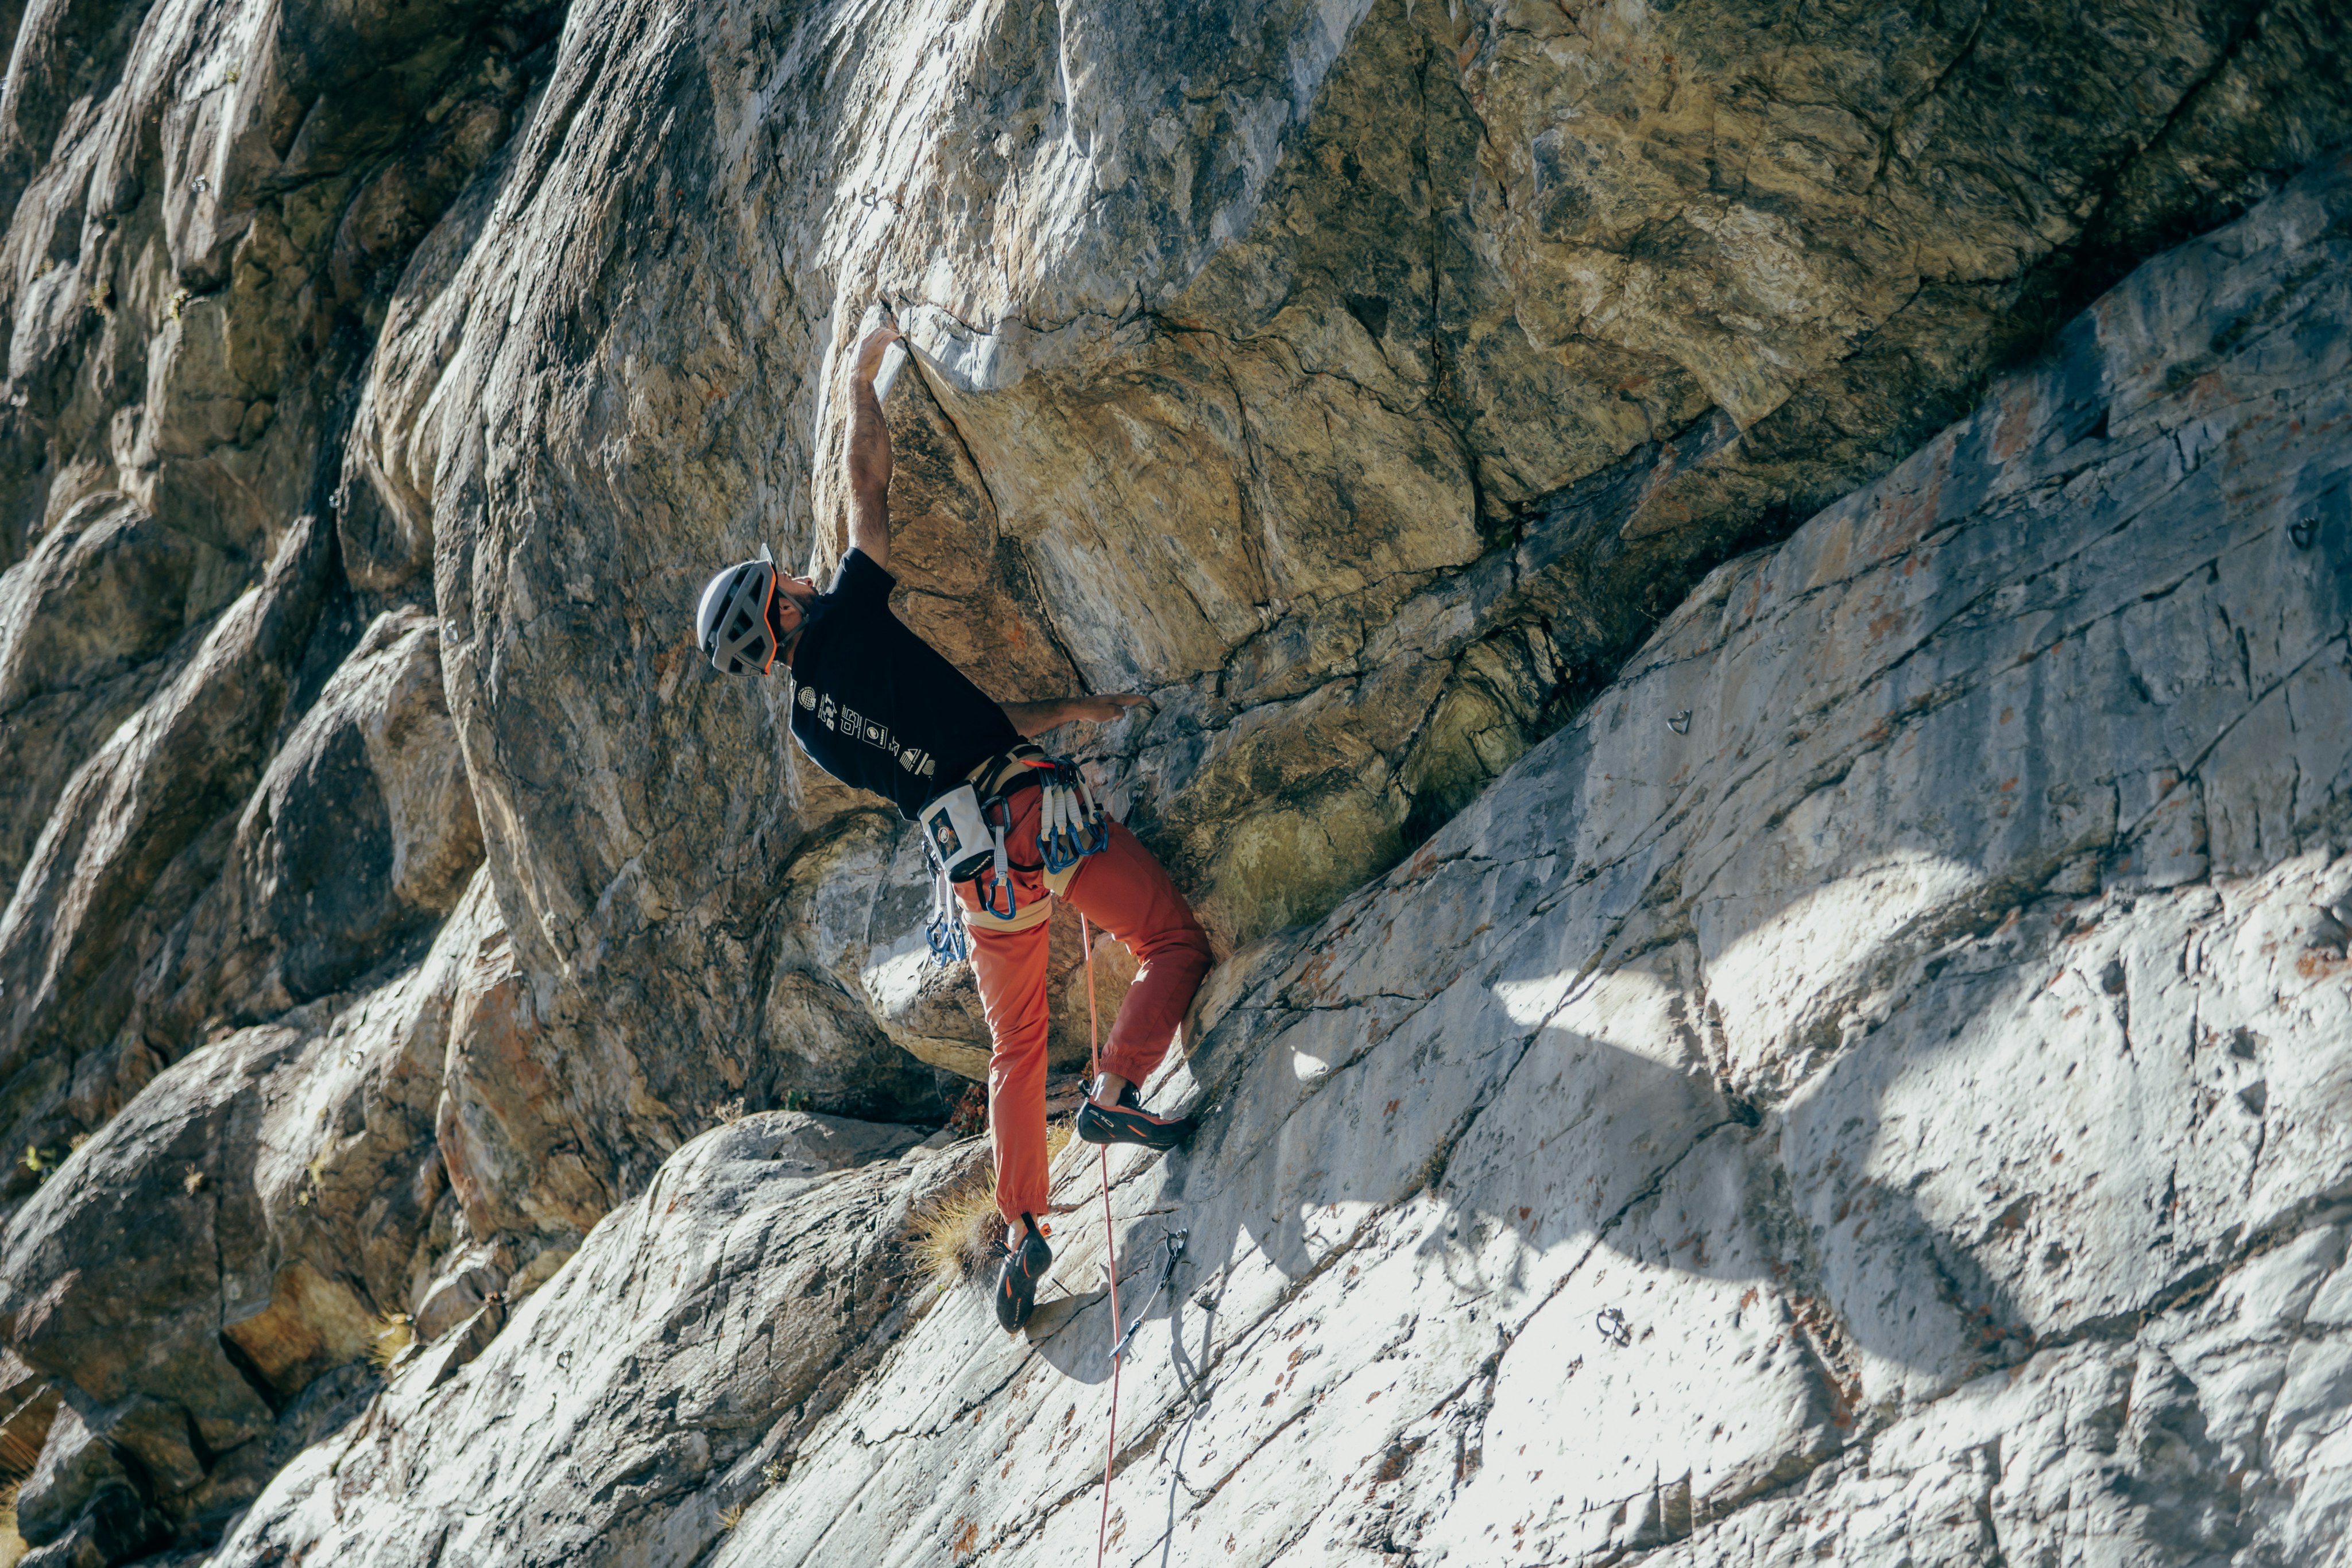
x,y
1127,893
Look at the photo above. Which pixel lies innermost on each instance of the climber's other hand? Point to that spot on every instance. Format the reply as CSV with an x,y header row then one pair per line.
x,y
1103,709
870,348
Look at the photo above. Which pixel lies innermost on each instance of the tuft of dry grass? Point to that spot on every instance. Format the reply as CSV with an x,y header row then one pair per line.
x,y
956,1232
12,1545
956,1235
730,1517
394,1333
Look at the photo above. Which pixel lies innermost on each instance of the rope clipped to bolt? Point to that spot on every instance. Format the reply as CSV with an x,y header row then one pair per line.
x,y
1110,1246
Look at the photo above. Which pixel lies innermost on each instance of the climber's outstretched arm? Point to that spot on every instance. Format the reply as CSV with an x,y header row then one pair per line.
x,y
869,451
1035,718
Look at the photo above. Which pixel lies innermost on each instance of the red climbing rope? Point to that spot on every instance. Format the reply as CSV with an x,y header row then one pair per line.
x,y
1110,1246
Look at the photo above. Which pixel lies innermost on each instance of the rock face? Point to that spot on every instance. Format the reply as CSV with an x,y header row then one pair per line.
x,y
1917,966
670,1360
1872,1087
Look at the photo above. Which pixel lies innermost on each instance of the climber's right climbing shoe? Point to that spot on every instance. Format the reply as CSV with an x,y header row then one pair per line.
x,y
1128,1122
1017,1276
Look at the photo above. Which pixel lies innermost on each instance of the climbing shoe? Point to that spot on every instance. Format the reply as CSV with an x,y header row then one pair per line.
x,y
1017,1276
1128,1122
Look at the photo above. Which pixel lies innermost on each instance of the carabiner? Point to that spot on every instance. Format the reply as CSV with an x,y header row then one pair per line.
x,y
949,941
1056,843
1090,828
988,899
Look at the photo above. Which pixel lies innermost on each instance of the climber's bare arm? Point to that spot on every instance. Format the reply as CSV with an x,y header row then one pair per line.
x,y
869,451
1036,718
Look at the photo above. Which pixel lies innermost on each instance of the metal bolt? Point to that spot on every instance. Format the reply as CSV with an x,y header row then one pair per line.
x,y
203,185
2302,530
1680,723
1612,1323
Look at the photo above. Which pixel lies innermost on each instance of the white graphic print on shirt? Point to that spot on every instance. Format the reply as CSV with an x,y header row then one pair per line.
x,y
873,733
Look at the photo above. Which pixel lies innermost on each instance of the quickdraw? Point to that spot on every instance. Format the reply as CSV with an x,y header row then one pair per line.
x,y
1175,1255
949,942
999,863
1071,823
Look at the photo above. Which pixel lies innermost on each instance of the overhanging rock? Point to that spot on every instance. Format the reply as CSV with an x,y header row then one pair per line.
x,y
1877,1079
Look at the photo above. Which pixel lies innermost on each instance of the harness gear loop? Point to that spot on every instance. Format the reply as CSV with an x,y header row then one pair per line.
x,y
1110,1244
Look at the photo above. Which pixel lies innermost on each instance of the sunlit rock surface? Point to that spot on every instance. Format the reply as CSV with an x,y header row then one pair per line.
x,y
392,894
1873,1085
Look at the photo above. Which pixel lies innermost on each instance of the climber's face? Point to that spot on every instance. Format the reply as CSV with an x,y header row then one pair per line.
x,y
786,611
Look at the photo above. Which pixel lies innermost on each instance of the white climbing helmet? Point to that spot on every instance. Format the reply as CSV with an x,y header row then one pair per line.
x,y
731,621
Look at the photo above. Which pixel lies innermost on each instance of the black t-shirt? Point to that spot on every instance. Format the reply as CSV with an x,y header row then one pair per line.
x,y
878,706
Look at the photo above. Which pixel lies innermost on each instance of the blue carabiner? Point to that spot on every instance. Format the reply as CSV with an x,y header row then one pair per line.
x,y
988,901
1055,850
947,941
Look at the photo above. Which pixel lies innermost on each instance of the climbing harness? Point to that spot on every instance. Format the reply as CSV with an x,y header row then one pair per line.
x,y
1110,1245
964,838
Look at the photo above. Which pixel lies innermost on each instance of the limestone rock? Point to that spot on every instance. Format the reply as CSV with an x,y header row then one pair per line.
x,y
1726,1075
134,837
1871,1086
701,1328
395,899
73,1465
359,837
28,1406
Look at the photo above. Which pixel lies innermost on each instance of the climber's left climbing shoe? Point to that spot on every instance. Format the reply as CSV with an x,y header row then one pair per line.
x,y
1128,1122
1017,1276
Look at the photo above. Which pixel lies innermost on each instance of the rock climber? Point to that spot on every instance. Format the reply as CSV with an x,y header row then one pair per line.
x,y
880,710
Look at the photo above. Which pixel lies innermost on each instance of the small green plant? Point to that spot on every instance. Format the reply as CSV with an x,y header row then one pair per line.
x,y
797,1100
179,296
232,76
774,1472
100,297
970,1113
729,1518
